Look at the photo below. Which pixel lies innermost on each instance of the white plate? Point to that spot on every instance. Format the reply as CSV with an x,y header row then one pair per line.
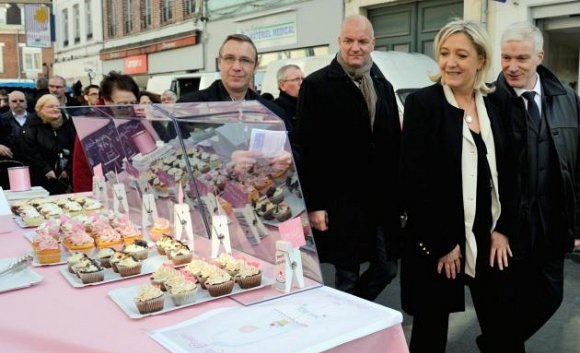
x,y
148,266
123,297
22,279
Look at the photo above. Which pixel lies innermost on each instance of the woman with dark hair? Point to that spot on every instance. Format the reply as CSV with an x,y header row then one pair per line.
x,y
116,89
146,97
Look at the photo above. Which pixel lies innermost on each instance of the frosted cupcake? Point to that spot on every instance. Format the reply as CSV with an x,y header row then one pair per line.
x,y
139,249
47,250
164,273
219,283
160,228
249,276
182,291
104,257
90,272
149,299
129,266
180,254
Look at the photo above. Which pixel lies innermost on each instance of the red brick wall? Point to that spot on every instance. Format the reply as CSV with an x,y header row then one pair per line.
x,y
11,62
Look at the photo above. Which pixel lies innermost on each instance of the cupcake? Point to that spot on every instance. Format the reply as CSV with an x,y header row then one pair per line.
x,y
219,283
104,257
129,266
182,291
128,231
107,237
47,250
275,194
90,272
162,274
139,249
74,259
180,254
116,258
160,228
262,184
206,271
79,241
149,299
249,276
282,212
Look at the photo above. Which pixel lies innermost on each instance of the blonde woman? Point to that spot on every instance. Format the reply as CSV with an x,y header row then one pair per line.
x,y
47,143
455,171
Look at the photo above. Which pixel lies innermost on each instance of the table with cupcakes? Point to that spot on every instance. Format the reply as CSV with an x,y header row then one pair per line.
x,y
100,283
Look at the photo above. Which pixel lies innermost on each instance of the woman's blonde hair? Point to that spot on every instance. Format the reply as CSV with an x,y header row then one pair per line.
x,y
40,103
480,40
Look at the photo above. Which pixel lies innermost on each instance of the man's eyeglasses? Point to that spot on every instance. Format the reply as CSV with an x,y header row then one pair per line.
x,y
55,86
295,80
92,94
244,61
17,101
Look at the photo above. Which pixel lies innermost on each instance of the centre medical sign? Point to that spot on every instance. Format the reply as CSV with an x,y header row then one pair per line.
x,y
276,30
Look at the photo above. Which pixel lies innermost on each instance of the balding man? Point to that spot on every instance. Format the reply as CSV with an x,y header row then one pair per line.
x,y
350,198
12,123
290,78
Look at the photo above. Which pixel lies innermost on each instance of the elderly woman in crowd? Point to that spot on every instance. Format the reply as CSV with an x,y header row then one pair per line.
x,y
47,146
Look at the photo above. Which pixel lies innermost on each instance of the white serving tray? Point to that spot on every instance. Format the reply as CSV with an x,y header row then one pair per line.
x,y
148,266
18,280
123,297
63,253
36,192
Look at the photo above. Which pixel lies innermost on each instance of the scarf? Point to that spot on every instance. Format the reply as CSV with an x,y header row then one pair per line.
x,y
362,75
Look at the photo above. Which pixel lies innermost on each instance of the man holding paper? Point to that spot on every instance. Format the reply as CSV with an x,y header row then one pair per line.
x,y
351,201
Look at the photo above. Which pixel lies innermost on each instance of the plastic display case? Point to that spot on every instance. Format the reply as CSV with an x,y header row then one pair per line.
x,y
229,159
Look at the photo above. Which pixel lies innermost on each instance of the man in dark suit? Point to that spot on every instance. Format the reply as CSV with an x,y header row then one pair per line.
x,y
12,122
351,200
544,116
290,78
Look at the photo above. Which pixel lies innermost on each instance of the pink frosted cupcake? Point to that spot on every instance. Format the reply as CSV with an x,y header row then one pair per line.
x,y
161,227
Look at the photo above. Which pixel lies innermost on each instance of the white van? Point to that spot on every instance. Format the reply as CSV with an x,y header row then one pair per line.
x,y
407,72
181,83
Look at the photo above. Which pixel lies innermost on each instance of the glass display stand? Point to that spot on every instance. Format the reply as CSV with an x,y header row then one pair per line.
x,y
228,161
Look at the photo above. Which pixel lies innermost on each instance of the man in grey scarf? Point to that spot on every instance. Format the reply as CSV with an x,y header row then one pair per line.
x,y
352,205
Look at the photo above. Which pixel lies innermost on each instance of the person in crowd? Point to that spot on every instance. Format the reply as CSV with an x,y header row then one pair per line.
x,y
544,118
168,97
238,61
353,102
456,177
12,122
91,95
47,146
116,89
57,87
3,101
146,97
290,78
41,90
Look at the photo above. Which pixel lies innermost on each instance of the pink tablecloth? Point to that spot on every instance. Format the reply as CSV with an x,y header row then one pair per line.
x,y
52,316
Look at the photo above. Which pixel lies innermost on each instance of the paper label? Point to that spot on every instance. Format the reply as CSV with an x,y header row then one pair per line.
x,y
269,143
292,231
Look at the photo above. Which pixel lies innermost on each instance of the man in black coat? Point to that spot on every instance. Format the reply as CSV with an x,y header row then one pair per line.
x,y
544,116
290,79
350,199
12,123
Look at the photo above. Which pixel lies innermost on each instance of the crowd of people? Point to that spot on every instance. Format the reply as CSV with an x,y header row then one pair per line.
x,y
479,187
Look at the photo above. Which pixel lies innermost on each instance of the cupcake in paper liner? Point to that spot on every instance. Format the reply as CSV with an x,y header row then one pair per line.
x,y
90,272
249,275
104,257
129,266
180,254
182,291
220,283
149,299
138,248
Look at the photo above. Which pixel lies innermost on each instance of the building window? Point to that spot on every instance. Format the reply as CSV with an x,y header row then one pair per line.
x,y
1,57
112,18
65,27
166,10
89,19
128,14
76,23
145,14
13,15
32,59
188,7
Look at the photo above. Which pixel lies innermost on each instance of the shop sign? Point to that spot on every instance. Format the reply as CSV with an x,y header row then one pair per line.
x,y
271,31
135,64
